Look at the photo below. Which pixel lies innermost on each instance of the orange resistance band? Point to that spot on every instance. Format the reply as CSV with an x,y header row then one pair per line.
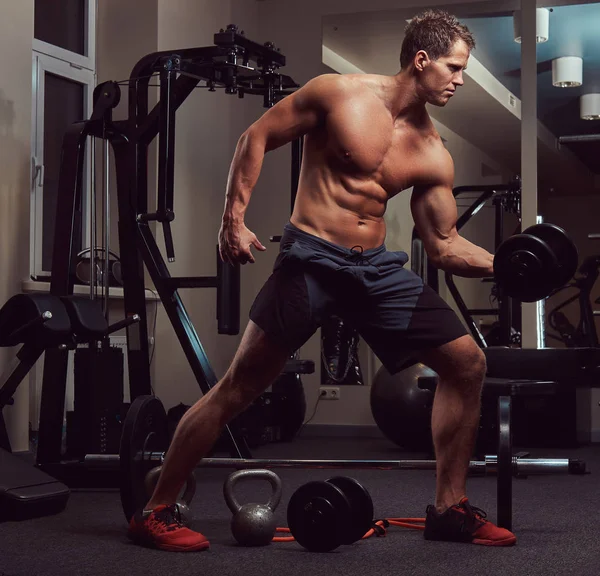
x,y
379,528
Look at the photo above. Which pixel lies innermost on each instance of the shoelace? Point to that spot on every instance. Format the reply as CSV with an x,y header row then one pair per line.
x,y
474,511
170,517
472,516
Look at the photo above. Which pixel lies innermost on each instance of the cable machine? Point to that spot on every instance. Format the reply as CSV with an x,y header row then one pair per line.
x,y
241,67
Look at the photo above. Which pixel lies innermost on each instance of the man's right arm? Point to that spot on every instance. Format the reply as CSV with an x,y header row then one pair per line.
x,y
288,120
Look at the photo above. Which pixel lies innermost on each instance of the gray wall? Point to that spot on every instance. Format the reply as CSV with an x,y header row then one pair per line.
x,y
127,31
208,126
16,36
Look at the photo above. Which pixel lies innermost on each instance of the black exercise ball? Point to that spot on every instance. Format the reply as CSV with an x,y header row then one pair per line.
x,y
401,409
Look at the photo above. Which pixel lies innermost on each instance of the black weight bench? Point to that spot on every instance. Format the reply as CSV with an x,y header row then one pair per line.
x,y
38,322
579,367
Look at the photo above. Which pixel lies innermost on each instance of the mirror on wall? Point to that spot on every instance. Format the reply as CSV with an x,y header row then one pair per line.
x,y
568,100
481,126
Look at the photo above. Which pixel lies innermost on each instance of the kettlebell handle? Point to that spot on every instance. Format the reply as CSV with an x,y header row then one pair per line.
x,y
235,477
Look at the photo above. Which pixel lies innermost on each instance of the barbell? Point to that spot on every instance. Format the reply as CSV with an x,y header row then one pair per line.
x,y
530,266
145,440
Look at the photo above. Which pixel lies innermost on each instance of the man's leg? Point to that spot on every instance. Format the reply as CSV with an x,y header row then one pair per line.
x,y
256,365
461,367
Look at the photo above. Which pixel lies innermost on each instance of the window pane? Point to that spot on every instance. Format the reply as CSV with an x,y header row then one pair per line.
x,y
63,105
61,23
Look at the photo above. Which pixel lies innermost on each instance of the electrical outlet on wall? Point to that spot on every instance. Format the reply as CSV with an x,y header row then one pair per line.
x,y
329,393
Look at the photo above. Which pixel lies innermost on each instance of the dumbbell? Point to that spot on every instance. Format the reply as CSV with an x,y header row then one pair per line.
x,y
529,266
324,515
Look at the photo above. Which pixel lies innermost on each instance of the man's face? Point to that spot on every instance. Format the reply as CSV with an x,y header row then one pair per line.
x,y
439,79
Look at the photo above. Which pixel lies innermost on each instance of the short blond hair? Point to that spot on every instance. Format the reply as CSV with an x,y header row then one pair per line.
x,y
434,31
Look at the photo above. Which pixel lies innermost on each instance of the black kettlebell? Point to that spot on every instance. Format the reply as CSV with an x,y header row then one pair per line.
x,y
253,524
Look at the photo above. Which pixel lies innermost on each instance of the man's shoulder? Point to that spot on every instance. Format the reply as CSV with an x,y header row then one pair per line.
x,y
433,139
331,91
345,82
436,160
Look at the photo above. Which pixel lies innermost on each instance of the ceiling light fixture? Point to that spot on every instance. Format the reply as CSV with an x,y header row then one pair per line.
x,y
542,25
567,72
589,107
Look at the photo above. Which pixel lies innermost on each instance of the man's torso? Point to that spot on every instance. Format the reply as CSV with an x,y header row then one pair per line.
x,y
358,160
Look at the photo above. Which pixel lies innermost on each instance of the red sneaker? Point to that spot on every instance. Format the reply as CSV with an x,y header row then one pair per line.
x,y
162,528
465,523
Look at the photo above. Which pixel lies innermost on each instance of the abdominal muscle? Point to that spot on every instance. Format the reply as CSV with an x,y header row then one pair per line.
x,y
345,210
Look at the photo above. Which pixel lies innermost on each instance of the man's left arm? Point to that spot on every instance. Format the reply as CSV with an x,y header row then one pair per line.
x,y
435,214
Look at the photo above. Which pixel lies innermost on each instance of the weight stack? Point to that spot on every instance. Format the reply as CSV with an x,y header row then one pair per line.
x,y
98,401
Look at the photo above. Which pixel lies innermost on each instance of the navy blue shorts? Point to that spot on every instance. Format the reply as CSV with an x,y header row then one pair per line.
x,y
388,304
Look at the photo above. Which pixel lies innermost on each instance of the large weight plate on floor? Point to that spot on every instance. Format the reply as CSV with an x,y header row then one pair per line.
x,y
318,516
145,429
563,247
525,268
361,506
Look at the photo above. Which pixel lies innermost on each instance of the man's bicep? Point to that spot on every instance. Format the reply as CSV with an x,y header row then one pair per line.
x,y
295,115
435,214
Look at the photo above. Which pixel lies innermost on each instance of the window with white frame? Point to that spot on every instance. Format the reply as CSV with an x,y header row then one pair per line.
x,y
64,76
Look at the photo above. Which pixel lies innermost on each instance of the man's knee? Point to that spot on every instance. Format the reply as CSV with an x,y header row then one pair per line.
x,y
460,361
474,364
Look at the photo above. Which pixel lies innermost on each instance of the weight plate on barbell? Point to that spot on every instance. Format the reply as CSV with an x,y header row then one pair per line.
x,y
563,247
145,429
318,516
504,464
525,268
361,506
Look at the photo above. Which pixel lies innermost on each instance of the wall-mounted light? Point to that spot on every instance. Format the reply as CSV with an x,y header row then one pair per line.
x,y
567,72
542,25
589,107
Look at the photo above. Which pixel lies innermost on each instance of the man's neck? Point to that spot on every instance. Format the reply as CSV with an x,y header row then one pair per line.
x,y
404,100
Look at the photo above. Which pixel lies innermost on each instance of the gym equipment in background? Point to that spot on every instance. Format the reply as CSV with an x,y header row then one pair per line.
x,y
37,322
339,354
585,333
401,406
42,323
93,270
240,66
543,411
